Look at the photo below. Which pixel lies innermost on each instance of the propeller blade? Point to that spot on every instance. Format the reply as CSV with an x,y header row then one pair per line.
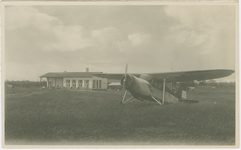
x,y
125,77
124,85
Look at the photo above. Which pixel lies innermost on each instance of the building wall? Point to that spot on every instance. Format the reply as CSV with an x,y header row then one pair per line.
x,y
103,82
59,82
53,82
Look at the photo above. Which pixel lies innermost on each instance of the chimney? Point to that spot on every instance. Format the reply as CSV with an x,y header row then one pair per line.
x,y
87,69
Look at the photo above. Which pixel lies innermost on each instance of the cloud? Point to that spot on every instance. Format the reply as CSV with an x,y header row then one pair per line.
x,y
181,13
105,38
69,38
155,39
139,39
199,26
105,34
204,34
197,17
62,37
51,34
24,17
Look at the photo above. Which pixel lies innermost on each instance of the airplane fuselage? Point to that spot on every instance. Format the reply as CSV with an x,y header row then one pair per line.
x,y
141,89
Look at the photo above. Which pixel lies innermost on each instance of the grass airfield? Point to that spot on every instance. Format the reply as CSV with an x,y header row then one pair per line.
x,y
72,117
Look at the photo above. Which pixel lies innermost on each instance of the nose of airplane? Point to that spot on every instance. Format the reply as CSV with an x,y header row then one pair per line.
x,y
126,81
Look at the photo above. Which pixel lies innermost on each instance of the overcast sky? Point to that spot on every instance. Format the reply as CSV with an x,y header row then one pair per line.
x,y
41,39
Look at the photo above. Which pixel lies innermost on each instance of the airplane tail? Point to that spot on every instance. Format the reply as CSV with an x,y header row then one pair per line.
x,y
182,95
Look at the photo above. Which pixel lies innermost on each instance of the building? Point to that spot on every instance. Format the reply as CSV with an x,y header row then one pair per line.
x,y
75,80
115,86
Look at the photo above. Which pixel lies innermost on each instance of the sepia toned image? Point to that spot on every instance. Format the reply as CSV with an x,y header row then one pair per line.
x,y
91,74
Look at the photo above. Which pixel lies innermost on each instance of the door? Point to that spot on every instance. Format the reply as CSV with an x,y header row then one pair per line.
x,y
68,83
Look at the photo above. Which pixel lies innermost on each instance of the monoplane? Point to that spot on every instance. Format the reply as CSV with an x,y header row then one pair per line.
x,y
158,87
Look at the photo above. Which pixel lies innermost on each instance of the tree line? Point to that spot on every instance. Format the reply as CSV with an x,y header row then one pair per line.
x,y
209,83
25,83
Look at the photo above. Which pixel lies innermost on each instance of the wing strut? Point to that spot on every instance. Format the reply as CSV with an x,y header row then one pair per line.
x,y
123,98
163,94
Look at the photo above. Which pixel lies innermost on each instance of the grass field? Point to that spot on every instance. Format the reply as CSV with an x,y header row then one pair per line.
x,y
36,116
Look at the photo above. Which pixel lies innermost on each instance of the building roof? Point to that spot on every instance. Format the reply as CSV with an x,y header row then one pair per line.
x,y
70,74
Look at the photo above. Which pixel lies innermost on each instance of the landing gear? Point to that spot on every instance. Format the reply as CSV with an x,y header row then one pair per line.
x,y
163,90
127,101
156,100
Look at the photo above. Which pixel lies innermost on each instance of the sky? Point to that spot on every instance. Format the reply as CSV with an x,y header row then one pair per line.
x,y
161,38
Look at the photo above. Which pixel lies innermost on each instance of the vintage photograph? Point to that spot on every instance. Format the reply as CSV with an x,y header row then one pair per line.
x,y
120,74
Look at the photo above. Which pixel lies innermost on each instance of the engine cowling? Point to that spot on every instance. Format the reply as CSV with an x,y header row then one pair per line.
x,y
129,81
136,86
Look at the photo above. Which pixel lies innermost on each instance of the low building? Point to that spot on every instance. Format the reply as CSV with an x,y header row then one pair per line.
x,y
115,86
75,80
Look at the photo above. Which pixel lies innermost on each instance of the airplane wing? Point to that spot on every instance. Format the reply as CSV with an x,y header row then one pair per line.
x,y
176,76
190,75
116,76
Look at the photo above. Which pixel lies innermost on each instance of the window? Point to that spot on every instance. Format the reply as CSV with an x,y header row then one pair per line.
x,y
94,84
86,83
67,83
80,82
100,82
74,83
50,84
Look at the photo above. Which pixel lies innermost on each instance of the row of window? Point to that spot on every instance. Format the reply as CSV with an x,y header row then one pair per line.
x,y
96,83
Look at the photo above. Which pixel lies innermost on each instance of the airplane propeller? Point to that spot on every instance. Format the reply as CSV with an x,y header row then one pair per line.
x,y
124,85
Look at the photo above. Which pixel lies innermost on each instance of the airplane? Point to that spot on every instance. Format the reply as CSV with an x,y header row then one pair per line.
x,y
153,86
